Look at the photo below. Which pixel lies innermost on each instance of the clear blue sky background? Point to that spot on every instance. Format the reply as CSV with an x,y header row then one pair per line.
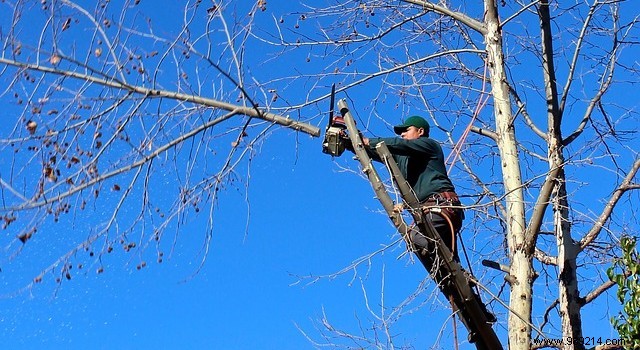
x,y
243,297
257,287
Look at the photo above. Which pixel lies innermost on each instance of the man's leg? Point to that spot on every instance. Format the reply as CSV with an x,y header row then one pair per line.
x,y
444,227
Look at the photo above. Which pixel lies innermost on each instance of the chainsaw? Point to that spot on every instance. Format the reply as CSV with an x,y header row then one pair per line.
x,y
335,136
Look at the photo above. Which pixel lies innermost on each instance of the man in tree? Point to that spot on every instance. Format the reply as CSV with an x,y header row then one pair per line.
x,y
421,162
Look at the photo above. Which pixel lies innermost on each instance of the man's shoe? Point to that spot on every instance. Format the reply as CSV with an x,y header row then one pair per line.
x,y
491,318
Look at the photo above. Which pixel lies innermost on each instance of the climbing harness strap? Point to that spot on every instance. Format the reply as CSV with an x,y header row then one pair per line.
x,y
446,205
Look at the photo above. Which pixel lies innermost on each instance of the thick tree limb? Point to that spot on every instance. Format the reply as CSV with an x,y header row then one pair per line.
x,y
208,102
545,258
568,292
485,132
596,292
540,208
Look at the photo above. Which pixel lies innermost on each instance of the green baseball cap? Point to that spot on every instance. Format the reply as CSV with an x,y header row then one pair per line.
x,y
416,121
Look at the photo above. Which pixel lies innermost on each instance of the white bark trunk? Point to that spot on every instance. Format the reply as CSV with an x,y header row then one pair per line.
x,y
521,258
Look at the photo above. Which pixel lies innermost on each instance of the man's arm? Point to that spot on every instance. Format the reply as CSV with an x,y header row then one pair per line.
x,y
373,155
404,147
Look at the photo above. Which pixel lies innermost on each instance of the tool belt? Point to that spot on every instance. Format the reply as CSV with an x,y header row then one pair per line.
x,y
446,204
447,196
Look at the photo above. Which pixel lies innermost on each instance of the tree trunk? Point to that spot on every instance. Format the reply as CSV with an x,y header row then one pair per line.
x,y
568,294
521,258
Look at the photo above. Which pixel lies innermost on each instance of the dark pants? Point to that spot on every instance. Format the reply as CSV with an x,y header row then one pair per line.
x,y
447,223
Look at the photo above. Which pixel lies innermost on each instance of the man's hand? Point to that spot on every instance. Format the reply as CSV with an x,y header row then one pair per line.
x,y
365,140
398,208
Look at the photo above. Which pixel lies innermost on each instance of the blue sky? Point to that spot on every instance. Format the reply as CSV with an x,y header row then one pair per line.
x,y
271,273
243,297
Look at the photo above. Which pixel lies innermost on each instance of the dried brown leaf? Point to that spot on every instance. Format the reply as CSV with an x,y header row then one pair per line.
x,y
32,126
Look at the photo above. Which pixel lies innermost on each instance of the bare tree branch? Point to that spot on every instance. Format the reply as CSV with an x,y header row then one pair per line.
x,y
576,55
154,93
606,79
145,159
525,114
458,16
626,185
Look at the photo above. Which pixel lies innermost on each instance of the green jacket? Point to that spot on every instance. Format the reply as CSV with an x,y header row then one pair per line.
x,y
421,162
